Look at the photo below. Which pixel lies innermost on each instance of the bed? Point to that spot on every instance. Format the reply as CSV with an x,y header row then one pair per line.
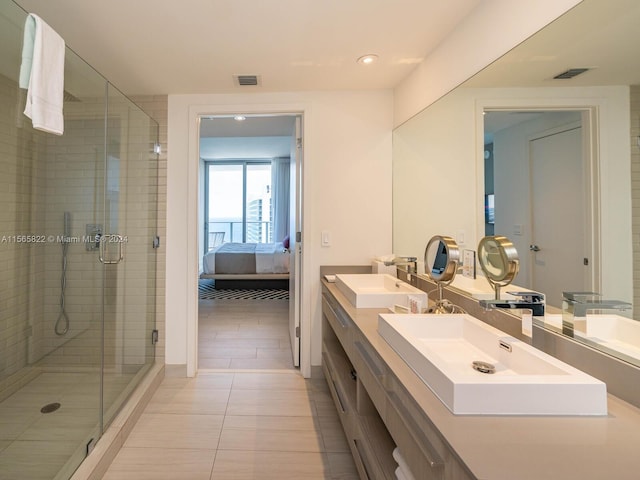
x,y
247,265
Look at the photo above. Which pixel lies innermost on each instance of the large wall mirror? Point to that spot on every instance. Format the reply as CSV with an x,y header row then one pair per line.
x,y
551,163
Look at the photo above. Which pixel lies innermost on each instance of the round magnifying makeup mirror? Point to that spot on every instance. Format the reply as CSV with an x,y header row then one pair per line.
x,y
499,261
441,258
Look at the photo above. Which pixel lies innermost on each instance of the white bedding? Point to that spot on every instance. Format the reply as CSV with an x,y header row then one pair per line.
x,y
270,258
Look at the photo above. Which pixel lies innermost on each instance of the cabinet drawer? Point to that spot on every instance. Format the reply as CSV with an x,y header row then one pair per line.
x,y
339,398
371,371
338,320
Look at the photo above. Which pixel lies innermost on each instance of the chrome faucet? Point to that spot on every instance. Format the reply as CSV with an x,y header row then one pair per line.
x,y
410,262
533,301
575,306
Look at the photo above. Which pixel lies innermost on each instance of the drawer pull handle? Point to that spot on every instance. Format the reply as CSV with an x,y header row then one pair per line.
x,y
361,457
339,397
339,318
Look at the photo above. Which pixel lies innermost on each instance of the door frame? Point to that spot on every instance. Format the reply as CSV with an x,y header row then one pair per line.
x,y
196,112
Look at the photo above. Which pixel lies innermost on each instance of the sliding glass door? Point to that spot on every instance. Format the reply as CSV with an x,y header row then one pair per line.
x,y
238,205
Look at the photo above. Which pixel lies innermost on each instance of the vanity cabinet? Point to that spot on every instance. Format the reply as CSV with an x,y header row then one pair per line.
x,y
377,413
369,441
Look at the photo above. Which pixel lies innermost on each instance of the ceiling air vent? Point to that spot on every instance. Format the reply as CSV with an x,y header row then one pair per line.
x,y
247,80
572,72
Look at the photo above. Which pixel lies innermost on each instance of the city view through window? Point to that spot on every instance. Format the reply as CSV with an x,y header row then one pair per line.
x,y
239,202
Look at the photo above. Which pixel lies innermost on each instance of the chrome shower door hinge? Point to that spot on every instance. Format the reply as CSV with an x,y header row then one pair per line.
x,y
91,445
156,241
154,336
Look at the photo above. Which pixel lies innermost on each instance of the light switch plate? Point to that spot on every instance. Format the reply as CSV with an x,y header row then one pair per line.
x,y
326,239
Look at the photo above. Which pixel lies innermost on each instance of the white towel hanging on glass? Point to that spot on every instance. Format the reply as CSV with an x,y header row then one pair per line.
x,y
42,74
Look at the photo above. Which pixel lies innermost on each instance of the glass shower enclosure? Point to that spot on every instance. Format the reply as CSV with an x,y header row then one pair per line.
x,y
78,216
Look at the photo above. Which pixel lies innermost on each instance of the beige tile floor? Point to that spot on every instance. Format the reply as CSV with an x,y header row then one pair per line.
x,y
244,420
244,334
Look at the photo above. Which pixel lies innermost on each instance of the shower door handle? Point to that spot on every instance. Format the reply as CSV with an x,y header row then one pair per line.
x,y
109,239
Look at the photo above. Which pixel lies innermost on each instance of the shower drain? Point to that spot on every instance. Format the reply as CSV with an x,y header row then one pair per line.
x,y
483,367
50,407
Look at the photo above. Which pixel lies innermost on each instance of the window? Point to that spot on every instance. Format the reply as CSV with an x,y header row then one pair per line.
x,y
238,205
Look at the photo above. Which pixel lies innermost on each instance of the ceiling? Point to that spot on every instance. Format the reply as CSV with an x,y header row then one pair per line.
x,y
257,136
197,46
602,36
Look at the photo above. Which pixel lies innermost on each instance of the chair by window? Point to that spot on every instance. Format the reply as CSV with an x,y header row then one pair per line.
x,y
215,239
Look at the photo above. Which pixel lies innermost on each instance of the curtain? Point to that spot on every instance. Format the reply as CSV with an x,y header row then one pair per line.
x,y
280,197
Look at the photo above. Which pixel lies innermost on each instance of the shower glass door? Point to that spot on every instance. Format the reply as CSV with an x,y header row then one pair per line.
x,y
127,254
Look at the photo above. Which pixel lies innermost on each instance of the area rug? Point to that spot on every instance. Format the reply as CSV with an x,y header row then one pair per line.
x,y
207,291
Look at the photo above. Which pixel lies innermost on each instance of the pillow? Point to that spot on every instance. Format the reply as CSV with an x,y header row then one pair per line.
x,y
285,242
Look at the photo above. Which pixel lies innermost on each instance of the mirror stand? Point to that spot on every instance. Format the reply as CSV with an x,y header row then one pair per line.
x,y
442,305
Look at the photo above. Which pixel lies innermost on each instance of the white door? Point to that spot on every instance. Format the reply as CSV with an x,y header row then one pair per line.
x,y
559,215
295,264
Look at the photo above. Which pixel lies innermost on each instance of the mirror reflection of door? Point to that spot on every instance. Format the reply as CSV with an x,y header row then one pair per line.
x,y
557,214
540,170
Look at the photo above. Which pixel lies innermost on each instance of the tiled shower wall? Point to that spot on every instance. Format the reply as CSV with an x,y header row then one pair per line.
x,y
21,305
74,182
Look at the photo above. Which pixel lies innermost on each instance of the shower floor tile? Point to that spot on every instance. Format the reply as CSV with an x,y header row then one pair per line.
x,y
35,445
18,460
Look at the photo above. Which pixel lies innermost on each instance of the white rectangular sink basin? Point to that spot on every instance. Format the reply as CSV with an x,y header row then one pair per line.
x,y
377,290
441,349
609,331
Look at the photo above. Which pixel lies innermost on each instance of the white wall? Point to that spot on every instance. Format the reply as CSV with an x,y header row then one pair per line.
x,y
490,31
434,176
347,192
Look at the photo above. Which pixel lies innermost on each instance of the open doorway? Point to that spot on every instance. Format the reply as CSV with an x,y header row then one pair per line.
x,y
249,261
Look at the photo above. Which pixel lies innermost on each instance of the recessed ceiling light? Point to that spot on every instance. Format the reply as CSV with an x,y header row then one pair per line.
x,y
368,59
239,118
